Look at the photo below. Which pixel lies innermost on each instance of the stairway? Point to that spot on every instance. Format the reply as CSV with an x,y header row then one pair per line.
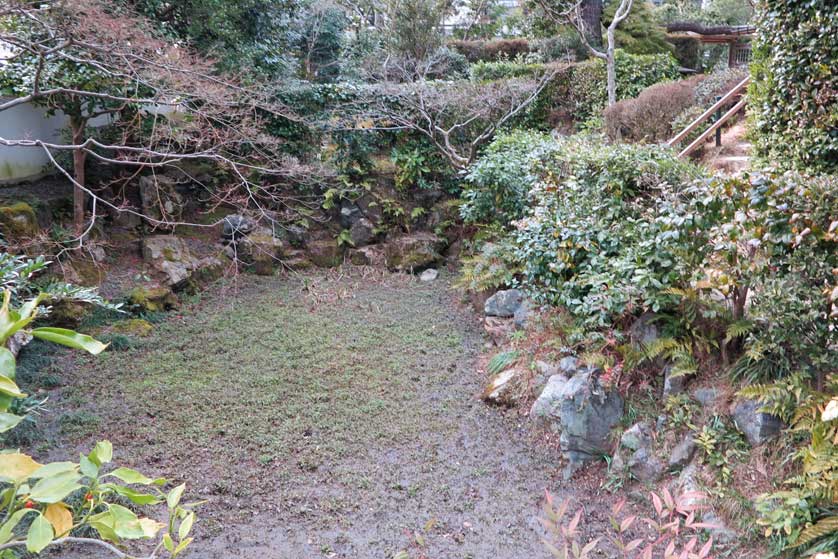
x,y
733,156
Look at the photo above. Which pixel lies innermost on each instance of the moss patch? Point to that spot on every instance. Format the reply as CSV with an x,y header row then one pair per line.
x,y
18,221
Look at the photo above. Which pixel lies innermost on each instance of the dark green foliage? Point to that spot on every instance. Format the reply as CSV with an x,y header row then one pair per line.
x,y
687,51
795,87
242,34
640,33
497,184
491,51
590,242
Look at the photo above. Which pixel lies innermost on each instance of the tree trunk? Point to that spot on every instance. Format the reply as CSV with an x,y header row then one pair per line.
x,y
611,68
592,20
79,157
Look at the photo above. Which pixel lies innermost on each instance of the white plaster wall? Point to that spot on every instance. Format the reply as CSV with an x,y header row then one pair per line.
x,y
27,122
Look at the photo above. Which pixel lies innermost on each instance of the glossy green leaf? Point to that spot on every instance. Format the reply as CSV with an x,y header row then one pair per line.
x,y
133,476
8,386
8,364
40,535
133,496
8,421
102,453
70,338
173,498
186,526
56,488
6,530
54,468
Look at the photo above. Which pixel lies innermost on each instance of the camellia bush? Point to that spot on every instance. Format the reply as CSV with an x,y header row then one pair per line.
x,y
794,93
591,242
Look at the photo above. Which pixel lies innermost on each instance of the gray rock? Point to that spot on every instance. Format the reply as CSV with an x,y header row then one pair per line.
x,y
682,453
429,275
324,253
546,369
171,257
349,214
587,412
17,342
235,226
720,532
644,332
707,397
259,249
367,256
637,436
521,315
160,199
361,232
504,388
672,385
758,427
296,235
504,303
645,466
546,409
569,365
414,252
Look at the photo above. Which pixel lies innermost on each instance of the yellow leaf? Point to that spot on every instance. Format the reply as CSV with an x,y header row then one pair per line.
x,y
60,517
17,467
150,527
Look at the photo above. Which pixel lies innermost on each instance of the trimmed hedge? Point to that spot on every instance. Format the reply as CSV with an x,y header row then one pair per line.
x,y
491,51
794,91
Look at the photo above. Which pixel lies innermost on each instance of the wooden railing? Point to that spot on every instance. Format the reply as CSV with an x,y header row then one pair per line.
x,y
717,106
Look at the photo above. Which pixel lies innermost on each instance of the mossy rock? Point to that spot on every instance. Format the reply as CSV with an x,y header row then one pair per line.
x,y
133,327
325,253
18,221
153,299
67,314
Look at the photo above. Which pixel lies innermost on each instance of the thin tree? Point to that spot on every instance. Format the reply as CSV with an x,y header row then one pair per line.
x,y
576,15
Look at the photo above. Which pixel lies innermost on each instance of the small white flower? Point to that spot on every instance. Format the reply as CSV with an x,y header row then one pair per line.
x,y
830,412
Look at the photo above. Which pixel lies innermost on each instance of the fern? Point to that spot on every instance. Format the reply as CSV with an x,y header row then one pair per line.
x,y
824,527
501,362
738,329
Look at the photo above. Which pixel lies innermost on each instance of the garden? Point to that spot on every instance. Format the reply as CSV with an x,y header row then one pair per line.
x,y
418,279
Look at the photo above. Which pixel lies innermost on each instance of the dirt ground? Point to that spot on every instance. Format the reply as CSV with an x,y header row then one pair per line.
x,y
322,417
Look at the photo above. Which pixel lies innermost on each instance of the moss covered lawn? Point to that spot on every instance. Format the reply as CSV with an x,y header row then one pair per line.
x,y
321,416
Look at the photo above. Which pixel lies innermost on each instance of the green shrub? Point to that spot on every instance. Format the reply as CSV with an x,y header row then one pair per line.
x,y
506,69
794,91
586,86
492,265
491,51
497,184
591,243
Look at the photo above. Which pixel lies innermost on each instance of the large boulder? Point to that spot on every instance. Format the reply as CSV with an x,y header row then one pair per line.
x,y
683,453
350,213
582,410
170,256
546,408
324,253
504,303
361,232
637,436
758,427
414,252
261,250
367,256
